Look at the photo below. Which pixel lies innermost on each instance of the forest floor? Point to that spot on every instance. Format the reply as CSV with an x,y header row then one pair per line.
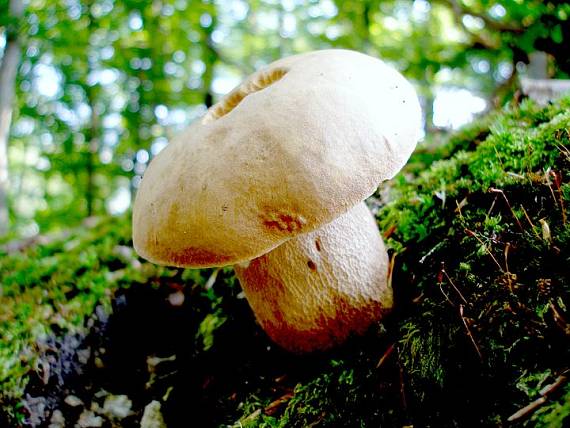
x,y
91,335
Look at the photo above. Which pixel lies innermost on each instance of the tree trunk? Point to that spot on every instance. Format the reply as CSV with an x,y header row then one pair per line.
x,y
92,150
210,57
428,101
92,133
8,71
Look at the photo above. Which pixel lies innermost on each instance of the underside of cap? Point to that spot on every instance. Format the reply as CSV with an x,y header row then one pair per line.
x,y
296,145
317,289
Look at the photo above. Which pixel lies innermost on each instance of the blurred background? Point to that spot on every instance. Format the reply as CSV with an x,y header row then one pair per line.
x,y
90,91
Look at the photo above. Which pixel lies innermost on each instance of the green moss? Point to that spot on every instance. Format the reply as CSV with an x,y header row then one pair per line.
x,y
53,288
483,250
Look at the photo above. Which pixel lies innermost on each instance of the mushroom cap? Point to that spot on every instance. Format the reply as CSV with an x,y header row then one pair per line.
x,y
299,143
315,290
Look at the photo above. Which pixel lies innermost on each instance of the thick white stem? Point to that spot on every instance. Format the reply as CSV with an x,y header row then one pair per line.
x,y
317,289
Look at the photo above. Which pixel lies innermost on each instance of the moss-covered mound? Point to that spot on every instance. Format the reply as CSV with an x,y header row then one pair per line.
x,y
483,244
480,232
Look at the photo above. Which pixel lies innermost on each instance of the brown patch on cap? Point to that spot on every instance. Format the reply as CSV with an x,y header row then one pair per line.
x,y
190,256
281,221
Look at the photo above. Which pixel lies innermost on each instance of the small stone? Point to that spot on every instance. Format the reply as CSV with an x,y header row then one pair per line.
x,y
176,298
83,355
88,419
99,362
152,416
73,401
37,409
101,394
117,406
57,420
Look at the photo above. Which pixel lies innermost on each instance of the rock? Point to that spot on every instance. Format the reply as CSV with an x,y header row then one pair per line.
x,y
88,419
57,420
73,401
36,408
117,406
152,416
176,298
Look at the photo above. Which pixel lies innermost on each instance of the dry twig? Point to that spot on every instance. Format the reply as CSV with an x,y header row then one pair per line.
x,y
545,394
474,235
469,332
385,356
494,190
454,287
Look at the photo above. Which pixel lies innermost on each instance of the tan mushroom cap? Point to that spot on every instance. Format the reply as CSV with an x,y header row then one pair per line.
x,y
293,147
315,290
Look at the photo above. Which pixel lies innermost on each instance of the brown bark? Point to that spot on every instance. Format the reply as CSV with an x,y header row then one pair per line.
x,y
8,71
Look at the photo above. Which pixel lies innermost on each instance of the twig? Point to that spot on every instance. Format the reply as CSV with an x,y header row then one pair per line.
x,y
385,356
545,394
389,232
548,182
469,332
275,405
454,286
494,190
460,205
433,250
492,206
559,319
391,270
212,279
474,235
530,222
558,184
564,150
444,293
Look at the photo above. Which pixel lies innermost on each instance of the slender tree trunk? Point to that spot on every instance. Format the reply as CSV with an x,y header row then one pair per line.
x,y
428,111
8,71
210,57
92,151
92,133
366,24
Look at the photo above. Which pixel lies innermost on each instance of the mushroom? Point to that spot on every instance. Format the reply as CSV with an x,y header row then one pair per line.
x,y
272,180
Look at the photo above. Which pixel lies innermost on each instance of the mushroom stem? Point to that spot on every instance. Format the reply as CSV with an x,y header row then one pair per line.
x,y
315,290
